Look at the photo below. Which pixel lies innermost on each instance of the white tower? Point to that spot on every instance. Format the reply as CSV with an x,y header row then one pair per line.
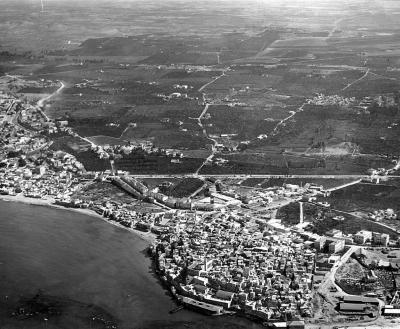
x,y
301,213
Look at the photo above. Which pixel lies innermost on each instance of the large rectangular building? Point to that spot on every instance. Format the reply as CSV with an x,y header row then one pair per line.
x,y
362,236
352,307
391,311
336,246
381,239
299,324
320,243
360,300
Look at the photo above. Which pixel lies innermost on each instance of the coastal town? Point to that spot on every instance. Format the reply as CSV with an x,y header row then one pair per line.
x,y
200,164
222,249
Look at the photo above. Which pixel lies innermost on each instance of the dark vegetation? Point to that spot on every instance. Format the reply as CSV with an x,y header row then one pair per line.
x,y
366,197
330,125
251,182
183,74
95,126
351,225
374,126
149,164
125,76
81,150
185,187
290,214
237,120
178,49
37,90
325,182
322,220
104,192
243,167
278,163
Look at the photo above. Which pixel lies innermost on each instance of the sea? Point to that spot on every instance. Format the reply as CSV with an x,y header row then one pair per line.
x,y
63,269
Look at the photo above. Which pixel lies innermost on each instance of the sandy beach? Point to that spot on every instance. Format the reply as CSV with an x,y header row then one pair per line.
x,y
147,236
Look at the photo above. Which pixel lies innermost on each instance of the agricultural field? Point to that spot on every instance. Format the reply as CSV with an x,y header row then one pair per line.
x,y
290,214
322,219
277,87
326,183
102,192
184,188
256,68
351,225
239,119
148,164
270,162
337,139
81,150
252,182
152,183
366,197
111,104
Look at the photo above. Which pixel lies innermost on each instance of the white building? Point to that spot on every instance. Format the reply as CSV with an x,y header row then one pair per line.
x,y
362,237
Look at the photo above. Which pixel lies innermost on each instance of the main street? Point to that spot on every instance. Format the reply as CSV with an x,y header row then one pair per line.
x,y
330,279
265,176
203,129
43,100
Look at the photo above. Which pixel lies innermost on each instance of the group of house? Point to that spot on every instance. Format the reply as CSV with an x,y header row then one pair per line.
x,y
238,264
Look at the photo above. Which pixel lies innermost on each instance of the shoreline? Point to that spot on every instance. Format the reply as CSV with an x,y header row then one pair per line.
x,y
148,237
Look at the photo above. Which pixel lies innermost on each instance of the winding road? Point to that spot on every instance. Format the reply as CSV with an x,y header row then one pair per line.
x,y
280,123
212,81
335,27
203,129
356,81
42,101
330,280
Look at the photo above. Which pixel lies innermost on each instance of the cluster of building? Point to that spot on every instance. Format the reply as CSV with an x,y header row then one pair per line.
x,y
325,100
147,148
292,192
362,237
18,83
220,252
14,137
175,95
29,119
364,104
182,87
27,165
116,211
379,239
87,84
16,140
385,100
237,263
41,175
379,215
140,191
187,67
38,123
352,305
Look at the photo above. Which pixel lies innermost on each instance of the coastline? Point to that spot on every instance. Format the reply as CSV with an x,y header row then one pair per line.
x,y
148,237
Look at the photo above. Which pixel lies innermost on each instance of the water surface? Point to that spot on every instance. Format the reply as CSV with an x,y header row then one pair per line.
x,y
86,262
